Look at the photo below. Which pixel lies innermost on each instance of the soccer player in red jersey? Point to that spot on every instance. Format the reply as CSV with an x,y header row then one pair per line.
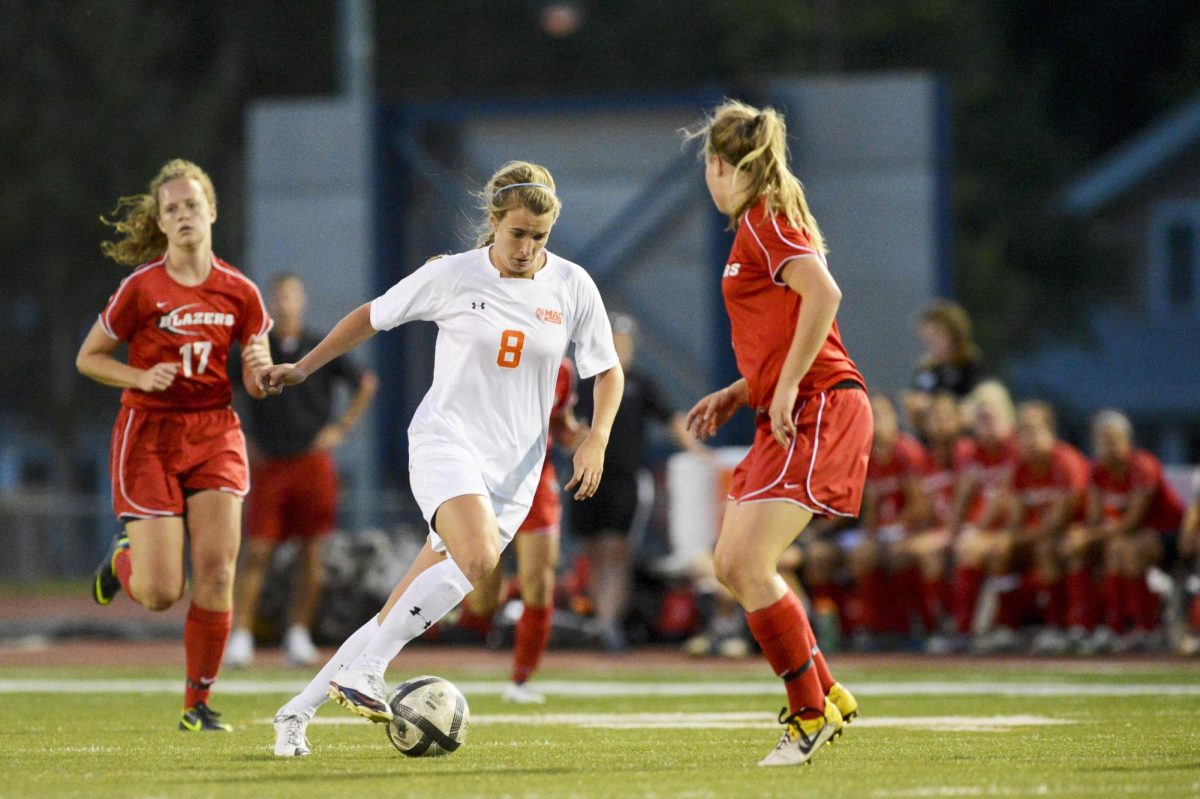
x,y
537,555
813,437
1132,511
893,507
1044,496
178,456
950,454
985,468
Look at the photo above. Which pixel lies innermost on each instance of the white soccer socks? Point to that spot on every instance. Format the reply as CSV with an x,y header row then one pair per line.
x,y
433,594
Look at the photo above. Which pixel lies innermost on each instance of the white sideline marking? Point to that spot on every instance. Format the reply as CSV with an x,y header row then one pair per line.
x,y
728,721
571,688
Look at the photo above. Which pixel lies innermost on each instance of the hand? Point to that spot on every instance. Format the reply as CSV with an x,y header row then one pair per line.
x,y
257,355
158,377
589,466
328,438
711,412
273,379
783,426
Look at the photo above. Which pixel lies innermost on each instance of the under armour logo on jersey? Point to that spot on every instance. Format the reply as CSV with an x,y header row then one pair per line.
x,y
417,612
482,306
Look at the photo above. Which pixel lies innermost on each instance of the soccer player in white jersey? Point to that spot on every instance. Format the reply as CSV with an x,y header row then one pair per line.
x,y
506,313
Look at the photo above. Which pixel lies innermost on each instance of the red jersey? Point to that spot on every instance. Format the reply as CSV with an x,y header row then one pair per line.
x,y
941,478
991,467
193,326
1143,473
886,481
1040,488
763,310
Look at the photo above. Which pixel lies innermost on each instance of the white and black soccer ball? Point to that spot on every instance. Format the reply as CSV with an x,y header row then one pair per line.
x,y
430,717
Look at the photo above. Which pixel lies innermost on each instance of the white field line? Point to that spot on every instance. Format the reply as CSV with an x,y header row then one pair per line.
x,y
728,721
574,689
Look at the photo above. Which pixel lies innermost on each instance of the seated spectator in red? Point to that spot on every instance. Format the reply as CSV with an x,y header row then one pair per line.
x,y
893,505
986,468
1132,512
950,453
1045,496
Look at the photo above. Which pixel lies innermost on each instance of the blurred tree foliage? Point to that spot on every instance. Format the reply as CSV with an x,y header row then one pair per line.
x,y
98,93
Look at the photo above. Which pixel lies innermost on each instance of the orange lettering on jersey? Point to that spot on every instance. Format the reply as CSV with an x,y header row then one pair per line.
x,y
547,315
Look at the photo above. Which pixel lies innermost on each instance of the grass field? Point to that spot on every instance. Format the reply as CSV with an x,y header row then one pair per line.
x,y
925,732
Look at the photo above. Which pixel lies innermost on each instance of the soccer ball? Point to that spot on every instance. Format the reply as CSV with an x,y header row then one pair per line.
x,y
430,717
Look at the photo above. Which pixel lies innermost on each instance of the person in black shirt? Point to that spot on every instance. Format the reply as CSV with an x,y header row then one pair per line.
x,y
292,438
621,506
952,361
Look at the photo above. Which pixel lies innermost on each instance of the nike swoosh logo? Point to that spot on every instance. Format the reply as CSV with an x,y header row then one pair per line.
x,y
162,304
791,485
193,726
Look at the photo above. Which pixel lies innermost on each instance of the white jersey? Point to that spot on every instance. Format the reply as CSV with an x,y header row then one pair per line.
x,y
499,344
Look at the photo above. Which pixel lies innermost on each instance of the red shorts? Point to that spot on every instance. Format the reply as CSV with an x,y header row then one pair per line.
x,y
545,515
295,496
157,458
825,467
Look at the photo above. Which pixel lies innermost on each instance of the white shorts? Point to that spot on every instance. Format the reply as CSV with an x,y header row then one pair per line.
x,y
439,472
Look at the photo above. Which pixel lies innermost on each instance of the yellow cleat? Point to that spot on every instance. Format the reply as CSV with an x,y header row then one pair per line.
x,y
803,737
847,705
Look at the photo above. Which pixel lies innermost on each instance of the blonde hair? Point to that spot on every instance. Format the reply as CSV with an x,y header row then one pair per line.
x,y
139,239
536,193
994,394
754,141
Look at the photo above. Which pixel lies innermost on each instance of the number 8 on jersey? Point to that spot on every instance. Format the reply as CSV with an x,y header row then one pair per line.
x,y
511,344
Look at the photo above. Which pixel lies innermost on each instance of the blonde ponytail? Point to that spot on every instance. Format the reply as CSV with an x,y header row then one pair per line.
x,y
517,184
139,239
754,142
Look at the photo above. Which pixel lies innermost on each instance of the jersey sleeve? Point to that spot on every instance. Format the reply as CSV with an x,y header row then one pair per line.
x,y
256,322
592,334
419,297
1145,473
122,316
780,244
1078,471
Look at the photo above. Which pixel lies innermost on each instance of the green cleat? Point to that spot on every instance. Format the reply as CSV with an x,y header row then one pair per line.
x,y
106,584
202,718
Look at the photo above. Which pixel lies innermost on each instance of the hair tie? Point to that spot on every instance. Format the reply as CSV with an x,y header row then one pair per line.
x,y
519,185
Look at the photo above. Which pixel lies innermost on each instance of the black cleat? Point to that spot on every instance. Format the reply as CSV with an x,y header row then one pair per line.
x,y
106,584
202,718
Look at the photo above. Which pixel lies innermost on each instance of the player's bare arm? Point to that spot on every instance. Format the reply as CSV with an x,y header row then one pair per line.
x,y
717,408
256,357
589,458
95,360
352,330
808,277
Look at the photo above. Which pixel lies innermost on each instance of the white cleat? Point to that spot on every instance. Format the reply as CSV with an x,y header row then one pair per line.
x,y
299,646
239,652
802,738
520,693
290,737
362,692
